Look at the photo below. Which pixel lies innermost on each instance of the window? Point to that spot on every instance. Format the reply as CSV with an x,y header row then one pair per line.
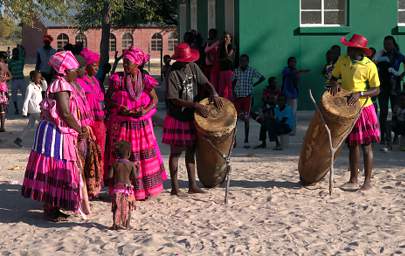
x,y
127,41
81,38
172,42
156,42
212,14
113,43
401,12
193,14
62,40
323,12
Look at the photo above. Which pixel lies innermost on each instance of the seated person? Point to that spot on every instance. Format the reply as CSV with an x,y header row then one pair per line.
x,y
283,123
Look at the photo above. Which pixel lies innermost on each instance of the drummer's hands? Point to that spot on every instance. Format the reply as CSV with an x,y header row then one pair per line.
x,y
201,110
354,97
333,87
217,101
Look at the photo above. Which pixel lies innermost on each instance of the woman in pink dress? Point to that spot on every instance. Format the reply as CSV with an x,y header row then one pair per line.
x,y
92,99
132,101
226,58
53,174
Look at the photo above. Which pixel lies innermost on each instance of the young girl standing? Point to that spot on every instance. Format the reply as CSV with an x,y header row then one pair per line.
x,y
186,86
4,77
356,71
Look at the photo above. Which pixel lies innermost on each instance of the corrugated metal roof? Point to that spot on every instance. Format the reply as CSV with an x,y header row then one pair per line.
x,y
68,21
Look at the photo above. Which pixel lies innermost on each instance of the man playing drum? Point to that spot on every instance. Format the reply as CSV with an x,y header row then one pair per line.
x,y
359,75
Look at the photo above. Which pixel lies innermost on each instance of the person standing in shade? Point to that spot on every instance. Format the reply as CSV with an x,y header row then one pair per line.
x,y
291,76
244,79
16,67
43,55
389,61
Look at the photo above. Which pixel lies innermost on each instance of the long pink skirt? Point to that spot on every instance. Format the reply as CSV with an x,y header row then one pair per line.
x,y
367,128
145,150
99,131
52,174
225,84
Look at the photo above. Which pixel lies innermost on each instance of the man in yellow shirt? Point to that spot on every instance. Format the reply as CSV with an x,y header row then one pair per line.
x,y
359,75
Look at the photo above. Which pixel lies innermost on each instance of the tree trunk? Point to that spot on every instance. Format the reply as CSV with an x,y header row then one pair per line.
x,y
105,37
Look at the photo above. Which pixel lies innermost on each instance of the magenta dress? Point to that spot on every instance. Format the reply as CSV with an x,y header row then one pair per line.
x,y
139,133
52,174
3,94
95,100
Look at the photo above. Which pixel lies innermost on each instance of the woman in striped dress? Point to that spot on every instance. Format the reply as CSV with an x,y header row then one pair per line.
x,y
53,173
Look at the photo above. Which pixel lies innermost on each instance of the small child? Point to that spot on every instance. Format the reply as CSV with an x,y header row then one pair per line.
x,y
31,106
398,121
122,174
4,77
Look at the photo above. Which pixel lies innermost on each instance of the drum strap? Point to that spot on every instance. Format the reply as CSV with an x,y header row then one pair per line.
x,y
227,159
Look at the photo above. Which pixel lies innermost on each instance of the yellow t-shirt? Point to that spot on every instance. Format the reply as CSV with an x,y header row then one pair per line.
x,y
355,75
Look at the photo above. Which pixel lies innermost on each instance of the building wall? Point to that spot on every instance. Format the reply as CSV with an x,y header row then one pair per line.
x,y
269,31
141,36
32,40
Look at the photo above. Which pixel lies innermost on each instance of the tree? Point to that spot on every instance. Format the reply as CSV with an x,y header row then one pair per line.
x,y
110,13
26,11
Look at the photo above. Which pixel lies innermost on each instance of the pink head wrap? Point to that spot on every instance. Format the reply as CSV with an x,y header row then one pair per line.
x,y
136,56
89,56
63,61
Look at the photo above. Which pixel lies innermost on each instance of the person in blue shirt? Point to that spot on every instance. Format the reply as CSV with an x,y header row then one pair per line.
x,y
291,76
283,121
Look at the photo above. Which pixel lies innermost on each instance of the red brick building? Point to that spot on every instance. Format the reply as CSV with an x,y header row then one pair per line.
x,y
150,38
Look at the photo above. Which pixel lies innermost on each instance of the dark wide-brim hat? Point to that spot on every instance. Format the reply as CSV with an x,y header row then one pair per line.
x,y
357,41
184,53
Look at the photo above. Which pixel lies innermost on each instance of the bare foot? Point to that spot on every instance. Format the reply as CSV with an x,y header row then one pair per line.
x,y
175,192
196,190
350,186
366,186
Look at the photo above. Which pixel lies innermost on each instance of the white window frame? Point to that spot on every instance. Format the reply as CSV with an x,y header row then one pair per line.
x,y
212,14
193,14
230,16
322,24
400,10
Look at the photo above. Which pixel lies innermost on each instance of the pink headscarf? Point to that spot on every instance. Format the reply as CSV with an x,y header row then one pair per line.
x,y
89,56
63,61
136,56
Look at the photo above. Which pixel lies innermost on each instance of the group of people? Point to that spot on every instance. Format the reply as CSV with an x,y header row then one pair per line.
x,y
87,138
236,83
391,96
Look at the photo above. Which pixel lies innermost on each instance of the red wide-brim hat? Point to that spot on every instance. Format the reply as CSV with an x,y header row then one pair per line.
x,y
357,41
184,53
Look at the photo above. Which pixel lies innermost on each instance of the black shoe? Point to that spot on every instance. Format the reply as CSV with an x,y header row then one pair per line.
x,y
18,142
2,130
261,146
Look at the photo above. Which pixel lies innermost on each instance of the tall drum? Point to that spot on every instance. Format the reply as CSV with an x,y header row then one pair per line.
x,y
215,138
315,155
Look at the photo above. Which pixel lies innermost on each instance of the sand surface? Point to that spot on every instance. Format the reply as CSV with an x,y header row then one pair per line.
x,y
269,213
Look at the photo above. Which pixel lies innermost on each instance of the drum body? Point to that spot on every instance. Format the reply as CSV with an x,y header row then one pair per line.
x,y
315,157
215,137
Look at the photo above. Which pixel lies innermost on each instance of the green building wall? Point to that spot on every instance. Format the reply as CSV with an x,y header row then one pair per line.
x,y
269,31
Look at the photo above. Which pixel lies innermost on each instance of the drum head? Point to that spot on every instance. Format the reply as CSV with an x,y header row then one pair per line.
x,y
218,122
337,105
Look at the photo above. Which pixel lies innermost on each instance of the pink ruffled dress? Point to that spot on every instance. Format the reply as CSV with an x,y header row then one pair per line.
x,y
95,100
138,132
3,93
52,174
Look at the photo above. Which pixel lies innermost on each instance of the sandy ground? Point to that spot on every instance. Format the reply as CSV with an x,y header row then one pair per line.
x,y
269,213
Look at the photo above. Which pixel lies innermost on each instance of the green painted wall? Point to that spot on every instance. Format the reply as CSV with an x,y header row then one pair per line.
x,y
269,33
268,30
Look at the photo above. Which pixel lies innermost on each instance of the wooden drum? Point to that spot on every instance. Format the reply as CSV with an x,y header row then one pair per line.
x,y
315,157
215,137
